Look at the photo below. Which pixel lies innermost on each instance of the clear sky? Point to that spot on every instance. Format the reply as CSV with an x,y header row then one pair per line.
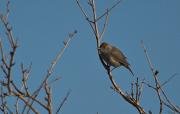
x,y
41,26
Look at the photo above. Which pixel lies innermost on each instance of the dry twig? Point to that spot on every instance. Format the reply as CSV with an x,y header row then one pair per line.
x,y
158,87
62,103
8,86
94,25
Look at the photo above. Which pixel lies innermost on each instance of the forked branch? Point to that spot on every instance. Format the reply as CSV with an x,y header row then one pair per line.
x,y
94,25
162,96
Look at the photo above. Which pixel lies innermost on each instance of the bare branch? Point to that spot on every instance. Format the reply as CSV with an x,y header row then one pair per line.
x,y
95,24
54,80
53,64
82,10
140,90
13,44
48,98
105,25
85,15
149,85
154,73
147,57
26,102
169,79
25,76
105,13
62,103
158,87
132,90
129,99
2,55
137,88
169,103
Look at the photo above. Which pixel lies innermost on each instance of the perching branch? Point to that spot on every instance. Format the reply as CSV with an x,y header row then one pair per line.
x,y
94,22
94,25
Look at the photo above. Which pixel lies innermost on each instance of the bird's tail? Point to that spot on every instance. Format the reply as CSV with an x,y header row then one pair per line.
x,y
130,70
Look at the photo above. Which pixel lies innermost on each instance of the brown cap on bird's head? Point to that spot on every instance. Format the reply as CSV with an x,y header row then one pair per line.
x,y
104,45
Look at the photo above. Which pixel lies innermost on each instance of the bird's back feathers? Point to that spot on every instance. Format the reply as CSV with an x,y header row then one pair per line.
x,y
119,56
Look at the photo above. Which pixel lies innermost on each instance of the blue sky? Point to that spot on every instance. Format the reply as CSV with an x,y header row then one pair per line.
x,y
41,26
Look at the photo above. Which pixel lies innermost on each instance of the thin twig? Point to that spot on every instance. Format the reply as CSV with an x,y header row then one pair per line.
x,y
147,57
54,80
62,103
17,105
25,76
85,15
132,89
53,64
26,103
140,90
105,25
96,29
48,98
169,79
2,55
157,83
105,13
171,105
137,88
129,99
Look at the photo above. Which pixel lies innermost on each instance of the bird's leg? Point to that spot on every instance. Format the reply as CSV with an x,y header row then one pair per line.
x,y
113,69
108,67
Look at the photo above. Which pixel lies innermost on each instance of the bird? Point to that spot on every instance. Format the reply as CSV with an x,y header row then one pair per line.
x,y
113,56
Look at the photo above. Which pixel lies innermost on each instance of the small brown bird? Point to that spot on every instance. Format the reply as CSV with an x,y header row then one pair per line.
x,y
113,56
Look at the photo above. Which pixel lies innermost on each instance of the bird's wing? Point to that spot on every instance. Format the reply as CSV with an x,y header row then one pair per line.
x,y
118,55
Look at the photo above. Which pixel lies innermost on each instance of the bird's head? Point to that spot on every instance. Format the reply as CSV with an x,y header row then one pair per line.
x,y
105,48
